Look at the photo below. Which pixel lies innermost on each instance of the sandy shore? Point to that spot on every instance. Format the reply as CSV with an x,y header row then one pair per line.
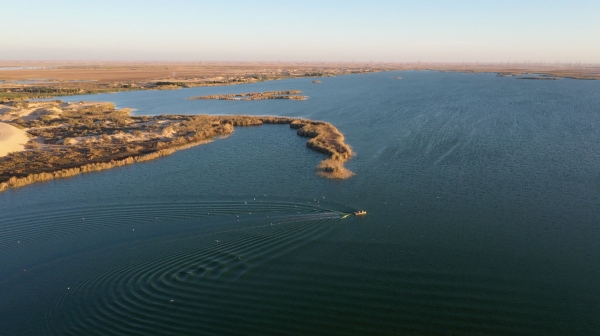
x,y
12,139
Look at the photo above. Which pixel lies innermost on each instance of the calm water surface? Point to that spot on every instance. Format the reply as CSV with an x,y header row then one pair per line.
x,y
483,218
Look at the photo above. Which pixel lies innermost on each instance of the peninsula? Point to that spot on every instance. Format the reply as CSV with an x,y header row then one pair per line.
x,y
53,139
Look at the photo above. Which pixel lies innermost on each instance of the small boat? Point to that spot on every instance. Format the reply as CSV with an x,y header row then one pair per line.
x,y
360,213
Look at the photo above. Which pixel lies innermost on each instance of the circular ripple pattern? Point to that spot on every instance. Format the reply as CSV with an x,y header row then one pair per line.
x,y
167,292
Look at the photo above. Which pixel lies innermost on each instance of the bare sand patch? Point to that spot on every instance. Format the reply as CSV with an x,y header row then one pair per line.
x,y
12,139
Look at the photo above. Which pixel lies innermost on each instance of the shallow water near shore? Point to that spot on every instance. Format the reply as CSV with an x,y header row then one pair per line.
x,y
483,218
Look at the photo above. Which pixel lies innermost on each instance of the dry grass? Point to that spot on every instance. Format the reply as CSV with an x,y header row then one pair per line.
x,y
327,139
289,94
333,169
124,71
15,182
76,138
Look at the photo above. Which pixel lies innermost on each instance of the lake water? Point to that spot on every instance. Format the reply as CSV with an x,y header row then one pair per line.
x,y
482,194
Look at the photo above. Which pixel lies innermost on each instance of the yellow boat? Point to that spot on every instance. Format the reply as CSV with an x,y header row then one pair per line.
x,y
360,213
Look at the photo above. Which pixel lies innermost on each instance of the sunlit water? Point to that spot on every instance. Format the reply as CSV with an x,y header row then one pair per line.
x,y
483,218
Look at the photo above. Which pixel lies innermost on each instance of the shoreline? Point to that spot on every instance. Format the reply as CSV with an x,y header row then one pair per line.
x,y
65,80
16,182
98,137
94,78
287,94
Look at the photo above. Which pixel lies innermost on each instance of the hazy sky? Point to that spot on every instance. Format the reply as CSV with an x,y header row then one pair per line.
x,y
400,31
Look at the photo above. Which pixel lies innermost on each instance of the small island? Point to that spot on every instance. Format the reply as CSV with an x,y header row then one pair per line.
x,y
53,139
290,94
540,77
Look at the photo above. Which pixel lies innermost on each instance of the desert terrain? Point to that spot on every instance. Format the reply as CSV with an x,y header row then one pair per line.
x,y
37,79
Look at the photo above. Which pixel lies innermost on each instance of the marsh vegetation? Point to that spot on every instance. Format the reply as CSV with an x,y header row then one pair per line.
x,y
72,138
289,94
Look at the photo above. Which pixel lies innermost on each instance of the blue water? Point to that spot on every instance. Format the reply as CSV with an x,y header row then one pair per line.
x,y
483,218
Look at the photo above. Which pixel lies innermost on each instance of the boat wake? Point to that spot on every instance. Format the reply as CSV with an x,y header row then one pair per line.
x,y
189,273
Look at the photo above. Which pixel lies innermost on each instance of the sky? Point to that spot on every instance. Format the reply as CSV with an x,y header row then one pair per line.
x,y
378,31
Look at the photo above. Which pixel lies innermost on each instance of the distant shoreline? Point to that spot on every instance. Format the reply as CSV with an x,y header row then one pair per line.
x,y
80,78
288,94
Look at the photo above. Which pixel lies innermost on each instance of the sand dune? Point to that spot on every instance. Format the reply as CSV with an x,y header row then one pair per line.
x,y
12,139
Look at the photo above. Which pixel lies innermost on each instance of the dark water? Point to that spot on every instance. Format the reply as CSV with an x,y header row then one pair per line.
x,y
482,194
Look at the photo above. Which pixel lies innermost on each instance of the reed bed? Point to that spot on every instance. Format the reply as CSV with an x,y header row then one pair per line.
x,y
165,134
327,139
15,182
289,94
